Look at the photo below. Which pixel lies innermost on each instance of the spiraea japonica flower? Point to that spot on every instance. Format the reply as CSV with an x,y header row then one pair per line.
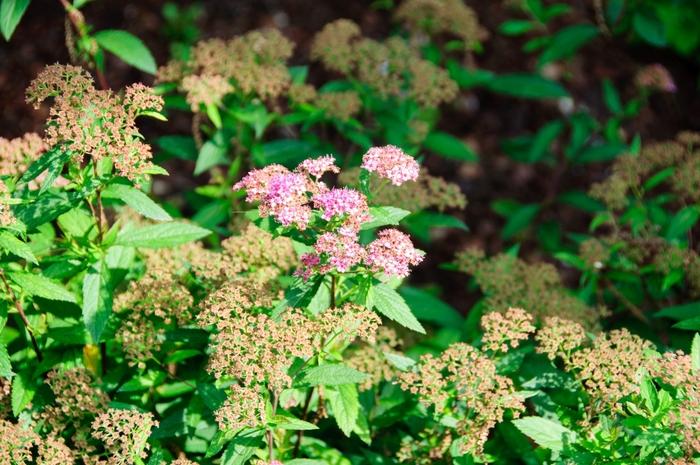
x,y
392,163
393,253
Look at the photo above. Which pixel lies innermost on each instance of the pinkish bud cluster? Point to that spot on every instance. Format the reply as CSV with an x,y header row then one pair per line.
x,y
346,204
392,253
392,163
317,167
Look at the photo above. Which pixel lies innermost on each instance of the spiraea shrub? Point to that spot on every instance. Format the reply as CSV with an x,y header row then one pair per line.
x,y
288,304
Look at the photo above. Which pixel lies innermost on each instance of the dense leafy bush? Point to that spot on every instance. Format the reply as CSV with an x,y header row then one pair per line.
x,y
265,316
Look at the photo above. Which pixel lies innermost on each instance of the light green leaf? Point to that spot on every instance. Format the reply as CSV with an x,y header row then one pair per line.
x,y
12,245
389,303
384,216
214,152
449,146
97,300
546,433
291,423
695,352
5,365
682,222
11,12
22,394
531,86
137,200
345,404
162,235
41,286
401,362
331,375
128,47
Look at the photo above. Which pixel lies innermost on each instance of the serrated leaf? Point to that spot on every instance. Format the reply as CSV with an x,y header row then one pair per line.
x,y
127,47
330,375
97,300
5,364
384,216
11,12
546,433
162,235
137,200
292,423
11,244
22,394
41,286
401,362
389,303
345,404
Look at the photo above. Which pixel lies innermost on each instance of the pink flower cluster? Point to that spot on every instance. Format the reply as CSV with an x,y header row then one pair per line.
x,y
392,253
392,163
298,198
317,167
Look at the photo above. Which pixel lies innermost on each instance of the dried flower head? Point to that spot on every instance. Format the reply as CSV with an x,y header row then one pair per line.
x,y
243,408
434,17
655,77
53,451
504,331
392,163
95,123
205,89
509,282
371,358
431,85
333,45
559,338
465,379
17,154
609,369
393,253
342,104
7,218
16,443
124,434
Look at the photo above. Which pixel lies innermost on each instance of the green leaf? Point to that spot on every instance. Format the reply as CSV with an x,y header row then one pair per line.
x,y
566,42
345,404
519,220
5,365
649,28
162,235
384,216
289,422
22,393
682,222
546,433
543,140
516,27
695,353
449,146
611,97
389,303
401,362
427,307
41,286
182,147
97,300
599,153
42,163
128,47
330,375
214,152
680,312
137,200
12,245
241,448
11,12
531,86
